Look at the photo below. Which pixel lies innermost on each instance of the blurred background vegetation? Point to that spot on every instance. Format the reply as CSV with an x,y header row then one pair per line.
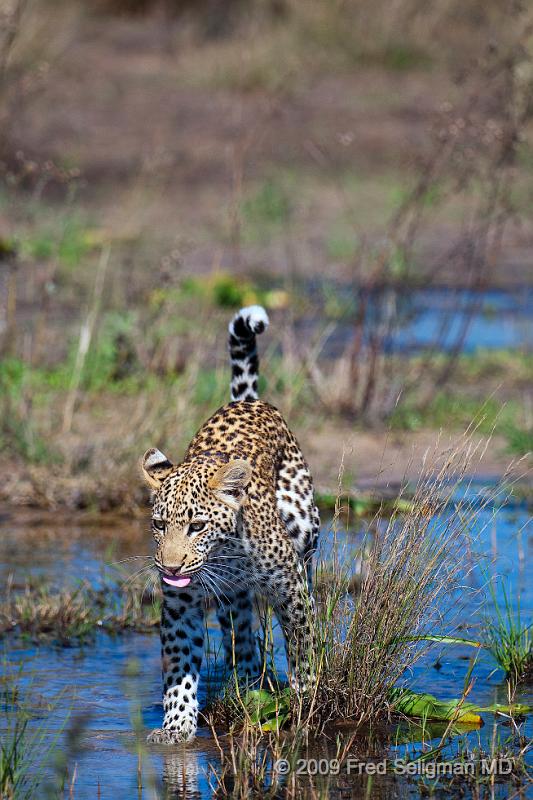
x,y
349,164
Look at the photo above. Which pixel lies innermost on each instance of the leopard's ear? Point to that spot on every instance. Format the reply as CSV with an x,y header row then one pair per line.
x,y
155,467
230,481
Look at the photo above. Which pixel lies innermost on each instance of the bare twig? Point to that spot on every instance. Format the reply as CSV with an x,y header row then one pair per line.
x,y
84,343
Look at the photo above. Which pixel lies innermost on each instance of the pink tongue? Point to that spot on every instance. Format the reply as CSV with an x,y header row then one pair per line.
x,y
181,582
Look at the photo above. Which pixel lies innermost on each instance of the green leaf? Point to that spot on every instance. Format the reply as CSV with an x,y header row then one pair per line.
x,y
275,724
515,709
272,711
268,710
429,637
426,706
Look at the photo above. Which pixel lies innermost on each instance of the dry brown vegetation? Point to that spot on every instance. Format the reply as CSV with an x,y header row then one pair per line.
x,y
412,584
156,174
73,615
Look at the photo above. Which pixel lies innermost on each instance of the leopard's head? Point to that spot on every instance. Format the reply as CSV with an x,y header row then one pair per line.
x,y
195,510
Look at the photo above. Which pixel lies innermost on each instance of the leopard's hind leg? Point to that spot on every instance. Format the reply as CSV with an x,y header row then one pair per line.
x,y
235,615
296,503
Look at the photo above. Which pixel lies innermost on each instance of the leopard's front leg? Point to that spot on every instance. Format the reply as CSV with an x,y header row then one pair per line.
x,y
182,642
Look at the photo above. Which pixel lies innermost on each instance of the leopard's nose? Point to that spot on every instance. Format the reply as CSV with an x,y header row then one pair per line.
x,y
172,570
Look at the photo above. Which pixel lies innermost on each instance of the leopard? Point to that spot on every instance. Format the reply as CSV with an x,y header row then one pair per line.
x,y
234,521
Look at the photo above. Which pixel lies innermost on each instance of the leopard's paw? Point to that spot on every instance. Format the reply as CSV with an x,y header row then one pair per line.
x,y
169,736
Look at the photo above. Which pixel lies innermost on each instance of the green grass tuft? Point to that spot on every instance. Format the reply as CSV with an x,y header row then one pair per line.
x,y
508,638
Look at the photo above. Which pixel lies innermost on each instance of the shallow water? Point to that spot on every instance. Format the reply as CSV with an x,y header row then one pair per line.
x,y
103,685
438,317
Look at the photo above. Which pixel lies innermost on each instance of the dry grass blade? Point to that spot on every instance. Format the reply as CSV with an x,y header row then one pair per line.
x,y
414,577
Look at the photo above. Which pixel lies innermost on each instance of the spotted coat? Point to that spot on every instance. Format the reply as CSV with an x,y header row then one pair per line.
x,y
234,519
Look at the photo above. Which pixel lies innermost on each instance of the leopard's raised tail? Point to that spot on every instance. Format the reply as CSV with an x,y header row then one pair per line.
x,y
243,329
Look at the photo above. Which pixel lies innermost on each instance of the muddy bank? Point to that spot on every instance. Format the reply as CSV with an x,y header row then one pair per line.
x,y
365,462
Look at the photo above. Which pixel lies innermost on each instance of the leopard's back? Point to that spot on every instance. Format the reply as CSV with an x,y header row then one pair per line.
x,y
281,482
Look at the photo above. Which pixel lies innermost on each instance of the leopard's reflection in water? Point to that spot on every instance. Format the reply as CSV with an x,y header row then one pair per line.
x,y
183,773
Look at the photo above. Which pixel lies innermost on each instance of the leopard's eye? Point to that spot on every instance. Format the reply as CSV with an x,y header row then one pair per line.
x,y
196,527
158,524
